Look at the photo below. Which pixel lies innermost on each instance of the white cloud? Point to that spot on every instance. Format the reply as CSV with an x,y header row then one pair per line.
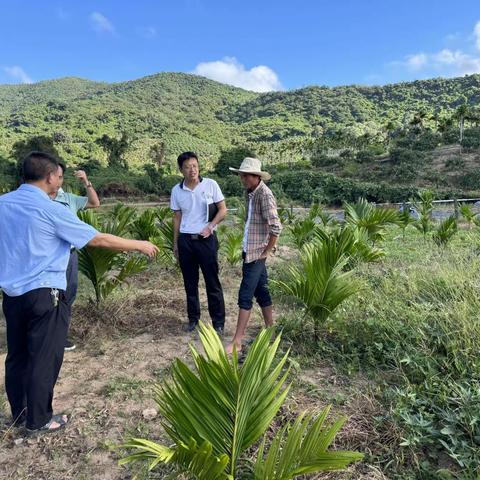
x,y
101,23
476,34
259,79
417,61
18,73
446,62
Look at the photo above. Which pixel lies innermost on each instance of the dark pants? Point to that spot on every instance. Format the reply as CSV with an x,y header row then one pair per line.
x,y
72,282
254,284
36,334
201,253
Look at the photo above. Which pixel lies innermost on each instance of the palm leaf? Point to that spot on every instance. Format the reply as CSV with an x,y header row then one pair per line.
x,y
187,457
301,448
228,405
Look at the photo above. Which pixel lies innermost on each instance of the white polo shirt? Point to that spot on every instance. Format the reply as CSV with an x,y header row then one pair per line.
x,y
194,204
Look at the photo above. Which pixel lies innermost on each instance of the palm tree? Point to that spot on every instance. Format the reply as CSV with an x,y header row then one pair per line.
x,y
468,214
369,217
217,410
425,223
320,282
445,231
461,114
107,269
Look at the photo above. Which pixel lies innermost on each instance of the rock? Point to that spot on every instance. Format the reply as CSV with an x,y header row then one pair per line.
x,y
18,441
149,413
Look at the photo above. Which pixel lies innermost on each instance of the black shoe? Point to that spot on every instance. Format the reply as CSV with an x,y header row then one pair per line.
x,y
190,327
219,331
69,346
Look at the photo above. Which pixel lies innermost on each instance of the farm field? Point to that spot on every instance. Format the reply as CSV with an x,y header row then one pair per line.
x,y
398,357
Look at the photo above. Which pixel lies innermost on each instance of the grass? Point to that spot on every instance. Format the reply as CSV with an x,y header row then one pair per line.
x,y
415,330
400,358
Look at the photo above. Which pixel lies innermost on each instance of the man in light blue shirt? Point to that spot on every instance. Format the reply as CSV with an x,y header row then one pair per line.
x,y
35,239
74,203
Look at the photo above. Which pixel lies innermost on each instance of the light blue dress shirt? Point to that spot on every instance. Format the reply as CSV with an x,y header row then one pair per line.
x,y
35,239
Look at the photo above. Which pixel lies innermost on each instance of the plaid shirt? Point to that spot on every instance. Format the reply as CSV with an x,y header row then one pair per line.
x,y
264,221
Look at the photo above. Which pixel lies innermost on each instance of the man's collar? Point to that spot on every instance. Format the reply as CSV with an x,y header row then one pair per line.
x,y
33,188
200,179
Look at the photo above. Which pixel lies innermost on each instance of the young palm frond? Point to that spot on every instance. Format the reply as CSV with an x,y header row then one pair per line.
x,y
445,231
301,448
228,405
425,223
372,219
240,215
118,220
107,269
303,231
231,245
404,220
352,242
164,241
217,410
468,214
162,213
320,283
316,212
144,226
287,215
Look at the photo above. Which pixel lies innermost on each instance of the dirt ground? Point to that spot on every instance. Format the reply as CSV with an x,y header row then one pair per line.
x,y
105,385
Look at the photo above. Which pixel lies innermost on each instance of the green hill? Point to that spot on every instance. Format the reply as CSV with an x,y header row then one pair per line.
x,y
329,128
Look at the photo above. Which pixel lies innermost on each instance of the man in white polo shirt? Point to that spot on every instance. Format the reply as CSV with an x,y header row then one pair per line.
x,y
199,206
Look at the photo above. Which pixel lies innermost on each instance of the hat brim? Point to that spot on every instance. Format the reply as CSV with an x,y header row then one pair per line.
x,y
262,175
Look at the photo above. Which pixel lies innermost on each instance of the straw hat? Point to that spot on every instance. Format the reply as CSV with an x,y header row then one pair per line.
x,y
252,166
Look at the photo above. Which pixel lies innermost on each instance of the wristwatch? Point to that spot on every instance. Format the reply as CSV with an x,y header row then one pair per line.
x,y
88,185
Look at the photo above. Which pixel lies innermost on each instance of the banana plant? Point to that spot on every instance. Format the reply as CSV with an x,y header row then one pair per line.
x,y
217,410
105,268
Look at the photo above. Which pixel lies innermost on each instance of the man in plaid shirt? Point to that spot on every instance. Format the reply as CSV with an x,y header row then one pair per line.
x,y
262,228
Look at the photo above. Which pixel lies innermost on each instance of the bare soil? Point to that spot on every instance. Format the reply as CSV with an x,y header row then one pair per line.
x,y
123,349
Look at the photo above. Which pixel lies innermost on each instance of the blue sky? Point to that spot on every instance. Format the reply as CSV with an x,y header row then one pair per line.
x,y
259,45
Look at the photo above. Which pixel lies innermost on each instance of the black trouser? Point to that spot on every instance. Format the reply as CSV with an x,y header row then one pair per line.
x,y
36,334
195,251
72,282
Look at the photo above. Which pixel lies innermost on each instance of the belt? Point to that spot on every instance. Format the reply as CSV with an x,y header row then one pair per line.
x,y
193,236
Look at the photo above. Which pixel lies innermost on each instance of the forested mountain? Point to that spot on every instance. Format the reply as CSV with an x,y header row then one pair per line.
x,y
191,112
341,130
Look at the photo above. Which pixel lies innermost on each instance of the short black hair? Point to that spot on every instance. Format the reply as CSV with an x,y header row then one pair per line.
x,y
185,156
62,166
38,166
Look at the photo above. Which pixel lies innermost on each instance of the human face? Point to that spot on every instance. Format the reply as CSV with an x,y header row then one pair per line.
x,y
190,170
54,182
249,181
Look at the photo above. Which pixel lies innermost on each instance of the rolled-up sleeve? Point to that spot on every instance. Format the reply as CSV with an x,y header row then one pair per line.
x,y
270,214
